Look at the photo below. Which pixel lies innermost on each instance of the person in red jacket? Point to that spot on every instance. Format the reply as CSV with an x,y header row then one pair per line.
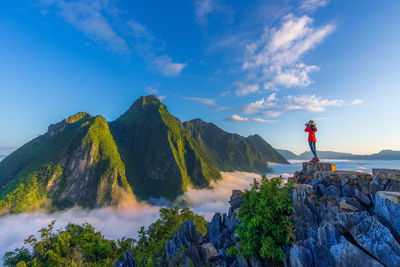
x,y
311,129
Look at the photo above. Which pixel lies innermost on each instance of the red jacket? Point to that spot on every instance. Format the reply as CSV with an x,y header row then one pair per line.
x,y
311,134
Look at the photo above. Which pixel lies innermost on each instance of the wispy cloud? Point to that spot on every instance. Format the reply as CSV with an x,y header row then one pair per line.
x,y
99,20
312,5
204,8
356,102
153,91
166,66
310,103
276,58
237,118
89,17
260,105
245,89
203,101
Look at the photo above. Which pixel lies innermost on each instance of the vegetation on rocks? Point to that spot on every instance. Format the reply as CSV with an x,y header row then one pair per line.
x,y
76,245
81,245
265,220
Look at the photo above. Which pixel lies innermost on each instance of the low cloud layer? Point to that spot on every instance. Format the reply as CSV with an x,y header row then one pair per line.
x,y
125,220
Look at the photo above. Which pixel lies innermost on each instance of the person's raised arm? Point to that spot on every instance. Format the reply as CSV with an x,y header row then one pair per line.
x,y
307,129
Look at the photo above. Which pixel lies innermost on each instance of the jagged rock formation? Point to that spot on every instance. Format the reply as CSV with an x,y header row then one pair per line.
x,y
231,151
343,219
161,159
75,163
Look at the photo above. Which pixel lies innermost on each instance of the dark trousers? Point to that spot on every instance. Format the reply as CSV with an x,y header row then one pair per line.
x,y
313,149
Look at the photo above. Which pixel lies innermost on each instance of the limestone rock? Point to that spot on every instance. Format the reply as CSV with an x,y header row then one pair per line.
x,y
385,180
387,207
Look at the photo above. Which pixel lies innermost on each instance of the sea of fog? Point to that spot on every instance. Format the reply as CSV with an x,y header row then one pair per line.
x,y
127,219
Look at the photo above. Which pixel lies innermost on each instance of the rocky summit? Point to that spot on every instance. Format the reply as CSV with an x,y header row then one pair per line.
x,y
345,218
341,219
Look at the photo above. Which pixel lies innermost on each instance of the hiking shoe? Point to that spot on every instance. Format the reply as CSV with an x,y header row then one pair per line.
x,y
316,159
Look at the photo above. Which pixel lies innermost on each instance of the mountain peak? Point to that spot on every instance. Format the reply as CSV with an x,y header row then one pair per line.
x,y
146,100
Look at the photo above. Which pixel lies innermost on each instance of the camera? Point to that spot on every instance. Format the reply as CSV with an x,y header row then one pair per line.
x,y
307,124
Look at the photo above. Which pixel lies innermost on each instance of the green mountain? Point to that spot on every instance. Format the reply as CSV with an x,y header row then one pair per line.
x,y
232,152
266,149
161,158
145,153
75,163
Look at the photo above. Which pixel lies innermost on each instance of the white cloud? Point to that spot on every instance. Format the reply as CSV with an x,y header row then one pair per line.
x,y
89,17
356,102
241,119
153,91
203,101
260,105
312,5
245,89
165,65
99,21
277,56
225,93
310,103
202,9
139,30
271,113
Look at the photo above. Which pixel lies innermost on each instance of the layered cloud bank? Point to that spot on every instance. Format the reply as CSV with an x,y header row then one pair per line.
x,y
126,219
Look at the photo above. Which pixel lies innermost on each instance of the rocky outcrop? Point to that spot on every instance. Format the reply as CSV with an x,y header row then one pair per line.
x,y
339,221
343,219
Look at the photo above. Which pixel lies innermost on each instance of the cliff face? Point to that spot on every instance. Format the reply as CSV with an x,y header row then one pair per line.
x,y
345,218
75,163
161,159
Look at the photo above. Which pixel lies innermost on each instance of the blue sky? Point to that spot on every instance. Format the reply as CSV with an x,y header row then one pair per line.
x,y
250,67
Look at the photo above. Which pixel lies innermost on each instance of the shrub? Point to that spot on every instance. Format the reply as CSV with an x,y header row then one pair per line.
x,y
266,220
76,245
150,247
81,245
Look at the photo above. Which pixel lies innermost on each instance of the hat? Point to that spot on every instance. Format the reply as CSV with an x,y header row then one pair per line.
x,y
311,122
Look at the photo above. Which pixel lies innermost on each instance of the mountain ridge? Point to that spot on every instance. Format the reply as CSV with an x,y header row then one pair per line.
x,y
146,153
385,154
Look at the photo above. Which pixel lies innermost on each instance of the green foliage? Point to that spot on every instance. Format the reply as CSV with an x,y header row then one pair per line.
x,y
76,245
30,194
266,220
150,246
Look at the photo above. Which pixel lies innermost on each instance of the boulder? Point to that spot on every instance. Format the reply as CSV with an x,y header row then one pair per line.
x,y
236,199
387,208
345,254
385,180
129,260
372,236
210,251
184,248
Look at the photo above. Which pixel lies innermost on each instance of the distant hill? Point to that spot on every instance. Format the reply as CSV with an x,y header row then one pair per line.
x,y
232,151
147,152
287,154
382,155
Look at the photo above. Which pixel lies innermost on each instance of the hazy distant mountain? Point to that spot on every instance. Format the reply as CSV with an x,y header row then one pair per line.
x,y
232,151
382,155
287,154
147,152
